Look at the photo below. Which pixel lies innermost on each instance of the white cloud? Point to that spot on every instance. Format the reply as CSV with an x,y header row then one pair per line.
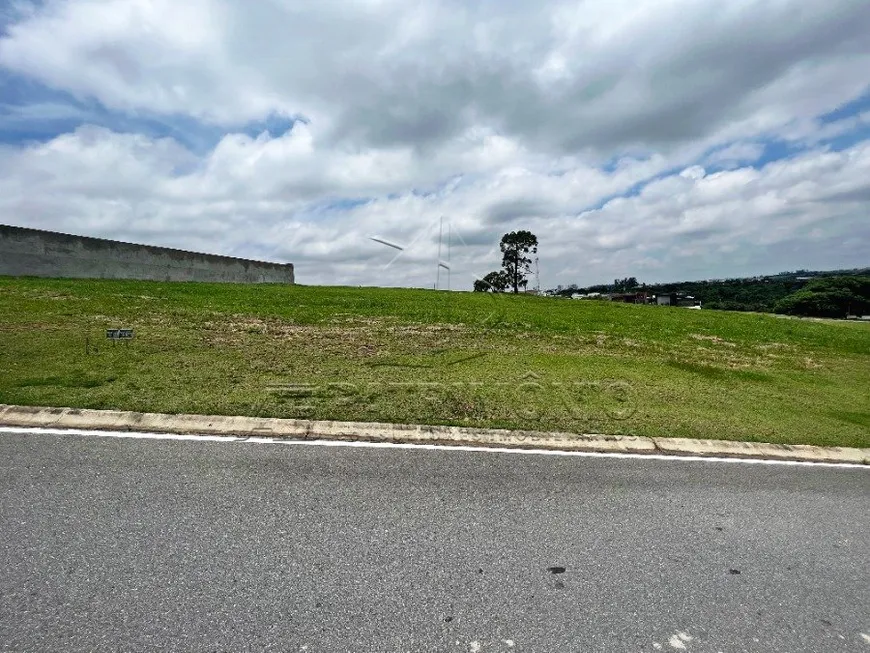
x,y
595,125
558,74
732,155
264,197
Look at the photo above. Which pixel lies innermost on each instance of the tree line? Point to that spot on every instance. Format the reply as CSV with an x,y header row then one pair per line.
x,y
804,292
829,297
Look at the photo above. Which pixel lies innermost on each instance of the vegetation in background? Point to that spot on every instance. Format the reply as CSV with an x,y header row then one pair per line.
x,y
416,356
829,297
760,294
492,282
628,284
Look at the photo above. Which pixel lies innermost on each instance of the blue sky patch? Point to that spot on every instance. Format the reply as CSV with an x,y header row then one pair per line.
x,y
849,109
30,111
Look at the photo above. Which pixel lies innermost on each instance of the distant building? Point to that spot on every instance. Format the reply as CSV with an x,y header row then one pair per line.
x,y
630,297
688,301
592,295
677,299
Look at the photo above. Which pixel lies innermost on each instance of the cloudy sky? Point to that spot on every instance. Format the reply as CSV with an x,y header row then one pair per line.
x,y
662,139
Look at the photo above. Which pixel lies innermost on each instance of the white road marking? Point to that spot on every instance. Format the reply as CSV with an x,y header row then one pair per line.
x,y
866,638
679,640
357,444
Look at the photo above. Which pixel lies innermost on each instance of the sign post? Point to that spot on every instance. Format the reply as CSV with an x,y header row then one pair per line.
x,y
119,334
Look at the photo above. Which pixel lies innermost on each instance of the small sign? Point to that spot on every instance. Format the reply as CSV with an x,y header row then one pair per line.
x,y
119,334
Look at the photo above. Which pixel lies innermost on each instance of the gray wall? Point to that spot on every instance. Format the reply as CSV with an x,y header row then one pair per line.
x,y
31,252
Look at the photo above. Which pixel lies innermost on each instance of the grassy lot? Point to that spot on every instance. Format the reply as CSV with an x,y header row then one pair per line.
x,y
419,356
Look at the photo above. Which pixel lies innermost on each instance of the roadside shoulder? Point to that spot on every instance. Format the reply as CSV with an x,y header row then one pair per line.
x,y
239,426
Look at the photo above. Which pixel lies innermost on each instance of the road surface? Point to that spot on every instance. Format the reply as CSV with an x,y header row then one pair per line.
x,y
111,544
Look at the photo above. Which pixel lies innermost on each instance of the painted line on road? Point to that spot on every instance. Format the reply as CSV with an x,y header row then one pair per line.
x,y
358,444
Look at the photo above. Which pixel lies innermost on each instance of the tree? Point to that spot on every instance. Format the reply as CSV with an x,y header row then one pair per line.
x,y
625,285
492,282
515,247
828,297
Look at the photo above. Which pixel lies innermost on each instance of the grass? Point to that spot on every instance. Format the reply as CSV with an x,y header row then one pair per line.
x,y
415,356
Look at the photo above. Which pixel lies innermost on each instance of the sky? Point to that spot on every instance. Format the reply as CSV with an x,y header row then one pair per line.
x,y
660,139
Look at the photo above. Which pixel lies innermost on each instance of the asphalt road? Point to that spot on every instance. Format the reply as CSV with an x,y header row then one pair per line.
x,y
134,545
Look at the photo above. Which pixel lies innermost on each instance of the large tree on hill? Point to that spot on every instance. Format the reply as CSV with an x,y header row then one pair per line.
x,y
516,247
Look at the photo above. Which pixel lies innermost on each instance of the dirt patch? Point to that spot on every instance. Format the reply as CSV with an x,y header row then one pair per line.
x,y
730,360
31,326
427,329
48,294
350,339
714,339
773,346
357,320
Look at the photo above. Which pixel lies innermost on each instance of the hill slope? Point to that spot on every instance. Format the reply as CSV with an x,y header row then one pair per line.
x,y
418,356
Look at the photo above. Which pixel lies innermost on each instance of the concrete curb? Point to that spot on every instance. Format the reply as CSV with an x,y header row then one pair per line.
x,y
74,418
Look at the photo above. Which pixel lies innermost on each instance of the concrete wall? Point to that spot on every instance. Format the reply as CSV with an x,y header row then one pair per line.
x,y
32,252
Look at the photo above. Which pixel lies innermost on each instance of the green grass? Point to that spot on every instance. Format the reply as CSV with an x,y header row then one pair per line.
x,y
417,356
